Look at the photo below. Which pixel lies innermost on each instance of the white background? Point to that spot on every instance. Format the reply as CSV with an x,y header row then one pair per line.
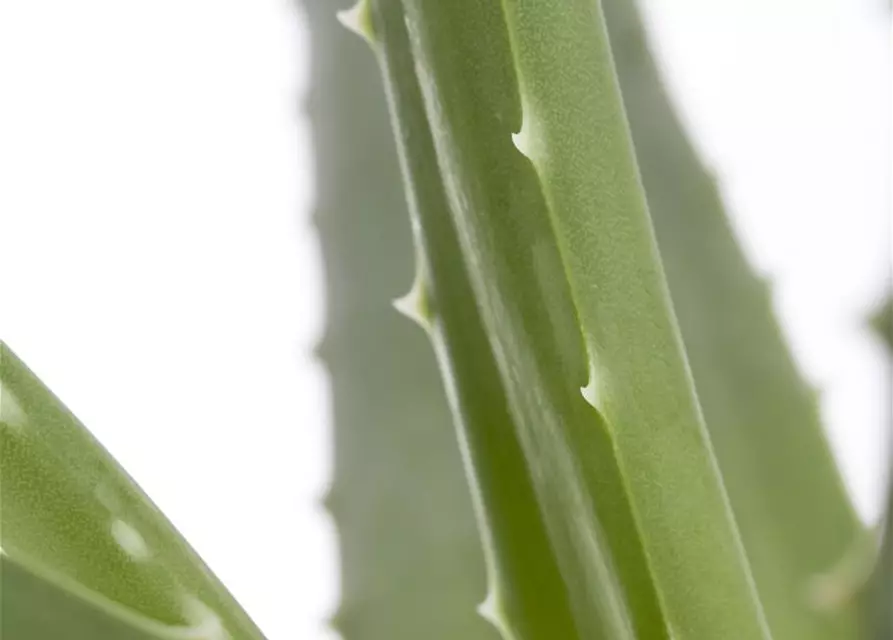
x,y
159,273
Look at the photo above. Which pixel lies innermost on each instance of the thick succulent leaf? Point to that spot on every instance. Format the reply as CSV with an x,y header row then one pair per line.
x,y
83,544
395,443
35,607
540,274
526,598
795,518
411,561
743,371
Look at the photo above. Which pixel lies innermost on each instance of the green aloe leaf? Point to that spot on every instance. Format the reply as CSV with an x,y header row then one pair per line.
x,y
85,554
747,384
528,258
36,606
411,561
795,517
524,599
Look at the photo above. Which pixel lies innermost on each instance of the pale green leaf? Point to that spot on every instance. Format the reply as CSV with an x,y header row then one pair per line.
x,y
85,553
795,517
462,63
411,564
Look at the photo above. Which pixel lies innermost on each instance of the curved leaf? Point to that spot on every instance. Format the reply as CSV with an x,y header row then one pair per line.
x,y
76,530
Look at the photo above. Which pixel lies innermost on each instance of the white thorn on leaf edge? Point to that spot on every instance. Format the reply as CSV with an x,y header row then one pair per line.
x,y
521,140
415,305
589,392
491,611
359,20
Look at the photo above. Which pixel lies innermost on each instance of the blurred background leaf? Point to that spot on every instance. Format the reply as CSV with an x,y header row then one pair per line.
x,y
410,553
795,517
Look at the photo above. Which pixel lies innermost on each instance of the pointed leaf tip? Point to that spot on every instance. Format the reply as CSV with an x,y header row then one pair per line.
x,y
359,20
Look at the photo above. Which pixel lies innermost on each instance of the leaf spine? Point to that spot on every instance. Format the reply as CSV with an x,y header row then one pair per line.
x,y
522,140
589,391
359,20
492,611
416,304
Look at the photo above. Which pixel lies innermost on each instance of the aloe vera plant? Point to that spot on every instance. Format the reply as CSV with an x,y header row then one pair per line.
x,y
611,500
395,449
561,133
751,388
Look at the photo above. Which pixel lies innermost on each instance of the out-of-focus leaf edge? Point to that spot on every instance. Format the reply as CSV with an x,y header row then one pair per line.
x,y
411,564
794,514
